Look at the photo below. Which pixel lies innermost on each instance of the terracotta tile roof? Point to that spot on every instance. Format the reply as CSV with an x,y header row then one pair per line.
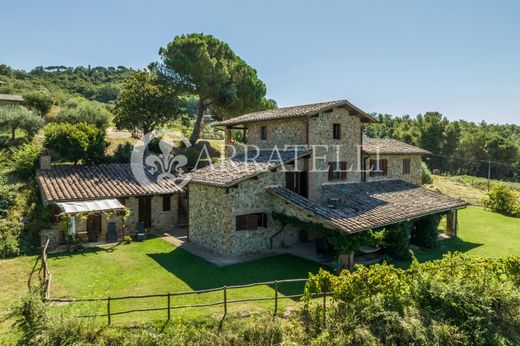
x,y
68,183
390,146
364,206
292,112
8,97
232,171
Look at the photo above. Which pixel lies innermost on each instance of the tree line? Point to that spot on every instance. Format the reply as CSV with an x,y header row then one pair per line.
x,y
458,147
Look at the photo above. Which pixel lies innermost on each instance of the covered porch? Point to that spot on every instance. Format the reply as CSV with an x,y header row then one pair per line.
x,y
88,222
353,209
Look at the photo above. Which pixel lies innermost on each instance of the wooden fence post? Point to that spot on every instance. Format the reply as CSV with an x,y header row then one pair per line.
x,y
108,311
169,311
324,304
275,297
225,301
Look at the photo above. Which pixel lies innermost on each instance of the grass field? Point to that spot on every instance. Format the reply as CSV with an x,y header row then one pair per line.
x,y
156,266
471,189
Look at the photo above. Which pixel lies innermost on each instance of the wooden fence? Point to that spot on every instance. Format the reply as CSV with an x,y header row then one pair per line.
x,y
168,307
46,274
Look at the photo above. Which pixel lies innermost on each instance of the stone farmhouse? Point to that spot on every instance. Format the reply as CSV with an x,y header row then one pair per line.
x,y
308,162
231,204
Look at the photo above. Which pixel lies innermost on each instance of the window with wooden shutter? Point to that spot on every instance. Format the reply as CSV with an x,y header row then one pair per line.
x,y
384,167
241,222
378,167
406,166
263,133
343,167
252,221
166,203
336,131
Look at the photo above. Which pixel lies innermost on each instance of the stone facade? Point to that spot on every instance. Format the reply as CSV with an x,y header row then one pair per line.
x,y
279,133
395,168
320,134
213,210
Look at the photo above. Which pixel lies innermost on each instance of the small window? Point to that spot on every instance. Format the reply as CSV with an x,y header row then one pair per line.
x,y
263,133
251,222
336,131
337,170
406,166
378,167
166,203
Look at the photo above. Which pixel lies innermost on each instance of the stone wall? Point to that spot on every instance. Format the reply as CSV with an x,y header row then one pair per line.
x,y
320,133
395,168
279,133
209,216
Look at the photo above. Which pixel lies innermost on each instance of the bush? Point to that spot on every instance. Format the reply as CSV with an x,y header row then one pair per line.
x,y
39,101
456,300
426,174
501,200
24,160
80,142
32,319
426,231
397,240
75,112
123,153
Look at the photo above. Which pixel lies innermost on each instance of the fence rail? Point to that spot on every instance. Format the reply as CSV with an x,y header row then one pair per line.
x,y
224,289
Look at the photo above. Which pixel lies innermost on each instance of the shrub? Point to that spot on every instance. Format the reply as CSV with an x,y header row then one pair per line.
x,y
501,200
39,101
7,197
123,153
32,319
456,300
24,160
83,142
75,112
9,243
397,240
426,231
426,174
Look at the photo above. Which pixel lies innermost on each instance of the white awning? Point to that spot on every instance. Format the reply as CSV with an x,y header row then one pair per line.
x,y
90,206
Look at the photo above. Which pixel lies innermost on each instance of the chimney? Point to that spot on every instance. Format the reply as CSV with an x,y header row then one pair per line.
x,y
45,160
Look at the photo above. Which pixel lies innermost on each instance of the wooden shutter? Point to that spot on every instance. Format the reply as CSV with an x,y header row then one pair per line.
x,y
331,171
240,222
166,203
343,167
252,221
262,220
384,166
289,180
406,166
372,167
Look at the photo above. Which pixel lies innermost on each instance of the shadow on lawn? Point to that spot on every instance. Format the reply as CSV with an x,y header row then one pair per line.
x,y
443,247
84,251
200,274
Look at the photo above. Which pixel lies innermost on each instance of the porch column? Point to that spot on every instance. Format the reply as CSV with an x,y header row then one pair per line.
x,y
228,141
347,260
452,223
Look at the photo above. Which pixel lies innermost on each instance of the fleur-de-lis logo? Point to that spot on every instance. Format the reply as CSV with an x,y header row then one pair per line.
x,y
165,166
166,162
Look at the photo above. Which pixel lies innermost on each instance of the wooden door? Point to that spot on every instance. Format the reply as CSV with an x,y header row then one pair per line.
x,y
145,211
93,227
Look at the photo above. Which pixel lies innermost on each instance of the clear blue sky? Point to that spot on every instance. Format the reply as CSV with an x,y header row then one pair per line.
x,y
461,58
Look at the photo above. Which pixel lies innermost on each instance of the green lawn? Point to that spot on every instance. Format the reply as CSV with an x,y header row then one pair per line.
x,y
156,266
481,233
